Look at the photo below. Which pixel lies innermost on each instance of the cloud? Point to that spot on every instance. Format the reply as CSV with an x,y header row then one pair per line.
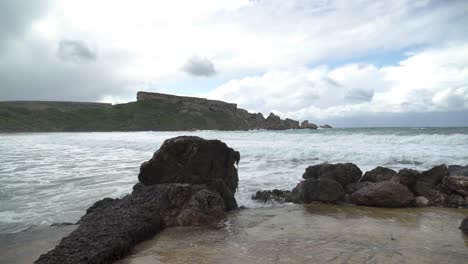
x,y
75,51
198,66
429,80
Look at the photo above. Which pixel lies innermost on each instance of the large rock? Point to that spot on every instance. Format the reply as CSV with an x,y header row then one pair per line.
x,y
378,174
457,170
383,194
356,186
178,188
305,124
321,190
464,226
196,161
343,173
407,177
458,184
428,182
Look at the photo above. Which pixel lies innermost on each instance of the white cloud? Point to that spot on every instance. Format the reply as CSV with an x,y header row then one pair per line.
x,y
430,80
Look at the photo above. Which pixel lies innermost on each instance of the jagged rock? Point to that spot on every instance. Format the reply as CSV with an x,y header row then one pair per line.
x,y
383,194
421,201
355,186
178,188
458,184
291,124
343,173
378,174
464,226
322,190
457,170
407,177
426,184
305,124
197,161
280,196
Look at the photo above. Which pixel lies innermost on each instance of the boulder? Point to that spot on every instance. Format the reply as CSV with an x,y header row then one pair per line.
x,y
457,170
427,184
458,184
378,174
407,177
464,226
196,161
455,201
177,188
355,186
321,190
272,196
383,194
343,173
421,201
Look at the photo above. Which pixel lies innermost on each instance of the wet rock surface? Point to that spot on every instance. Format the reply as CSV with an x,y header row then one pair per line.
x,y
189,181
464,226
383,194
321,190
378,174
343,173
274,196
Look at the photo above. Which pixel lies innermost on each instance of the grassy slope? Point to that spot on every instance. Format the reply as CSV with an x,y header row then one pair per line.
x,y
135,116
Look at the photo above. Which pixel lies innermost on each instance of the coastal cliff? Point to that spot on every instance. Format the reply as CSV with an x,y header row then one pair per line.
x,y
151,111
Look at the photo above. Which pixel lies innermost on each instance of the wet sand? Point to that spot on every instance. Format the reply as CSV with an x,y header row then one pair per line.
x,y
315,234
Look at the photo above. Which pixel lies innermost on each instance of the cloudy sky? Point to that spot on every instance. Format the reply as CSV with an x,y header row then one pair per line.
x,y
399,62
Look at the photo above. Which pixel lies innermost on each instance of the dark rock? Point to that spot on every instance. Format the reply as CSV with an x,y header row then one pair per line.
x,y
458,184
457,170
456,201
383,194
322,190
305,124
407,177
178,188
421,201
196,161
343,173
427,182
378,174
355,186
275,195
326,126
464,226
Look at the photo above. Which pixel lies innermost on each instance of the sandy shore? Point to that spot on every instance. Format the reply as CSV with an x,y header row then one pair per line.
x,y
287,234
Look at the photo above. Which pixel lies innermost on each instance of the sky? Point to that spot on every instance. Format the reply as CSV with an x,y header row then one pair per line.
x,y
351,63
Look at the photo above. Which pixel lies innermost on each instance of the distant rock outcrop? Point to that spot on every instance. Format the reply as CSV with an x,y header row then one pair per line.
x,y
325,126
305,124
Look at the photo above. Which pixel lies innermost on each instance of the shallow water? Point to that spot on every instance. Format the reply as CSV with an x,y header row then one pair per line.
x,y
315,234
53,177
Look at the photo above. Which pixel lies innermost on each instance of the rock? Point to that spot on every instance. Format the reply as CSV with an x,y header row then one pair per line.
x,y
322,190
407,177
456,201
355,186
458,184
378,174
383,194
196,161
457,170
343,173
426,184
269,196
421,201
326,126
177,188
306,125
464,226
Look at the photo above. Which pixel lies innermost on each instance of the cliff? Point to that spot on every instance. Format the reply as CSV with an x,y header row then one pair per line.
x,y
151,111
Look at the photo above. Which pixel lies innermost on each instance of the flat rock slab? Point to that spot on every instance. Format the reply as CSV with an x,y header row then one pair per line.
x,y
315,233
26,246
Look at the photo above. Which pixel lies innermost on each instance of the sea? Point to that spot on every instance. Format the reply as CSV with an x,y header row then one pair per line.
x,y
48,178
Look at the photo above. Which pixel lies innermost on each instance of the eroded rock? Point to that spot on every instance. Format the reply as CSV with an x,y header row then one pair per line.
x,y
343,173
383,194
378,174
458,184
322,190
407,177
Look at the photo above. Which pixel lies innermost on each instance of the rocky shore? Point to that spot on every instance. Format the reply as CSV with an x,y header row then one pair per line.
x,y
191,181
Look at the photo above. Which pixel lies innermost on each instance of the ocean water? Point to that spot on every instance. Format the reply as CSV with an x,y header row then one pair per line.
x,y
49,178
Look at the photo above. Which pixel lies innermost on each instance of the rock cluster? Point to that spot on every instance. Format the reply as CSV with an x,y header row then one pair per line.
x,y
189,181
382,187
